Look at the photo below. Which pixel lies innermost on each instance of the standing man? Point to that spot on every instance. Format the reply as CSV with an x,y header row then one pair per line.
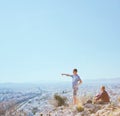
x,y
76,81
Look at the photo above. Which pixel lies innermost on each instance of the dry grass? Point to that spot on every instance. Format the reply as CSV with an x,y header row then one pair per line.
x,y
119,99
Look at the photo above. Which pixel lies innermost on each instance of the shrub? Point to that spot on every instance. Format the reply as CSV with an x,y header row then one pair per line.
x,y
34,110
60,100
79,108
2,112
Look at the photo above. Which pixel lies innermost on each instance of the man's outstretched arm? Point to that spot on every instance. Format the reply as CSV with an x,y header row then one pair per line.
x,y
66,75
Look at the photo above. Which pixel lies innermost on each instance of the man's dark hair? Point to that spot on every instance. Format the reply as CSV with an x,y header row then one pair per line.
x,y
75,70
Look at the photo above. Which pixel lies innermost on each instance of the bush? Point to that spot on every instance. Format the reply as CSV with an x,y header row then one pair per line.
x,y
80,108
2,112
60,100
34,110
2,109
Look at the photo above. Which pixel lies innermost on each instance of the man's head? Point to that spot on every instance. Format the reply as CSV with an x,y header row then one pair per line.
x,y
103,88
74,71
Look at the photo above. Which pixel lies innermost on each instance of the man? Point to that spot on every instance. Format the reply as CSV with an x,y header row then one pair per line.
x,y
76,81
103,97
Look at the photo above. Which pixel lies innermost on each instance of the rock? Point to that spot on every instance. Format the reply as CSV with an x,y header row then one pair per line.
x,y
92,115
89,101
100,112
117,113
84,113
90,108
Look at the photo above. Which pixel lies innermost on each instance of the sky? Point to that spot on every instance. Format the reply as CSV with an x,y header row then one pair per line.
x,y
40,39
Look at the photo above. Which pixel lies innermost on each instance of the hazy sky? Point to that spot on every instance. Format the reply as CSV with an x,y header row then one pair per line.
x,y
40,39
